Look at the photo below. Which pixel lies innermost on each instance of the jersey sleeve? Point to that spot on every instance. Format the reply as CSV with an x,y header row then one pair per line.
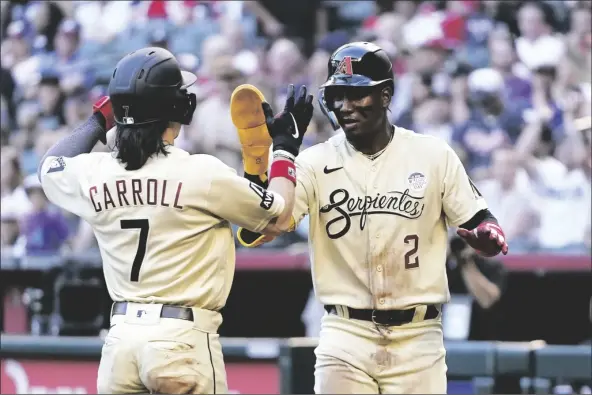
x,y
240,201
461,199
305,192
62,179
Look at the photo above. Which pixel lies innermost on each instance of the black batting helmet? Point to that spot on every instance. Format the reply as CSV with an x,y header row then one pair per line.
x,y
357,64
148,86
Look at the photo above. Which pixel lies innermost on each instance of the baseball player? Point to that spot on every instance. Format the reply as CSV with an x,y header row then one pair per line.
x,y
379,200
162,221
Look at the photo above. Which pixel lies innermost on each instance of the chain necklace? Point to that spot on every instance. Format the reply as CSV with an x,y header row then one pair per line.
x,y
377,154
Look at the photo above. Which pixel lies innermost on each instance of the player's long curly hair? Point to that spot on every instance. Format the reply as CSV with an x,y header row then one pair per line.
x,y
134,146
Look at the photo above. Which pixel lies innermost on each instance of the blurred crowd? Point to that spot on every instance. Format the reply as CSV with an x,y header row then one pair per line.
x,y
506,83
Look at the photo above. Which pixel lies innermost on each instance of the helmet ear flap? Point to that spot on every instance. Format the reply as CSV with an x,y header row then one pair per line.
x,y
325,108
184,108
191,106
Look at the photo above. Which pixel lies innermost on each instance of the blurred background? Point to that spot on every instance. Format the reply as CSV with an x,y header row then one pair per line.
x,y
506,83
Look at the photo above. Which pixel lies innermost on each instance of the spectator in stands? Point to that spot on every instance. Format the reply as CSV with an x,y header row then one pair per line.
x,y
561,185
389,32
576,65
24,139
433,117
502,57
421,90
135,33
14,197
459,93
245,59
212,131
536,33
214,47
509,193
46,17
84,240
5,120
546,97
491,123
77,108
286,64
478,27
159,37
426,62
17,54
44,228
9,231
563,191
7,94
16,48
287,19
102,21
405,8
50,99
189,34
67,59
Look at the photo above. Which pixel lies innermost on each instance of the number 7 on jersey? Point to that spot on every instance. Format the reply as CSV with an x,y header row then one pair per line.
x,y
144,227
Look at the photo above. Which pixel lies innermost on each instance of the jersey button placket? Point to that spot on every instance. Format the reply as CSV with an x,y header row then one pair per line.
x,y
374,236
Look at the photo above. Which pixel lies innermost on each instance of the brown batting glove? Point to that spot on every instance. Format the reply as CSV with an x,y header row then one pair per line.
x,y
487,239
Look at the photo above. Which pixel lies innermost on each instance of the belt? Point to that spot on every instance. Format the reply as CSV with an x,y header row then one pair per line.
x,y
181,313
385,317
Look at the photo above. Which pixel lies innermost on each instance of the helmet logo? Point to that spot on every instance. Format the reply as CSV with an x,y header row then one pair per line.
x,y
127,120
345,66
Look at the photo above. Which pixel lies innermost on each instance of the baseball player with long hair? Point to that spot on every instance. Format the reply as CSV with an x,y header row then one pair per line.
x,y
162,221
379,200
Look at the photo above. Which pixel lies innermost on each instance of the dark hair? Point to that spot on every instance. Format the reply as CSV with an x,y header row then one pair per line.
x,y
135,145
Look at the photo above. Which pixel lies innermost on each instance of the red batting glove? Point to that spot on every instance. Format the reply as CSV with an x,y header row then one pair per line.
x,y
487,239
103,105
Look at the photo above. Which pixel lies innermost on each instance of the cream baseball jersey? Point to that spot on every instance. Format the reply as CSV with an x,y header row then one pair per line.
x,y
163,230
378,228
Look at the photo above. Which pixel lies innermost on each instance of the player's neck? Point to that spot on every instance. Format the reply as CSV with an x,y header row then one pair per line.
x,y
169,136
377,143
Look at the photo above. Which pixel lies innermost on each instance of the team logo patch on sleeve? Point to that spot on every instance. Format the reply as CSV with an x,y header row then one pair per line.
x,y
266,197
58,164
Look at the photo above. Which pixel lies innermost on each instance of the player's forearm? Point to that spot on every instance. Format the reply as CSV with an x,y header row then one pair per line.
x,y
285,188
529,139
485,292
81,141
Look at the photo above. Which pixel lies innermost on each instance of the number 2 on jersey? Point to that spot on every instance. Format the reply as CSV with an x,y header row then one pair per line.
x,y
414,241
144,227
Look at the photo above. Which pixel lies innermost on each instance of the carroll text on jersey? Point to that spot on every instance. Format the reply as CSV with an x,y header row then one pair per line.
x,y
136,192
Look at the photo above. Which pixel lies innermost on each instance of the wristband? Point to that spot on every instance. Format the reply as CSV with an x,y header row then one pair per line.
x,y
283,154
281,143
283,168
103,106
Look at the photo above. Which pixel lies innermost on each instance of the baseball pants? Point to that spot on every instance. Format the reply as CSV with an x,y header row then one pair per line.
x,y
358,357
145,353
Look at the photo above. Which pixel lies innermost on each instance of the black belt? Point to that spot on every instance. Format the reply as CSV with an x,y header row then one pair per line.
x,y
386,317
181,313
